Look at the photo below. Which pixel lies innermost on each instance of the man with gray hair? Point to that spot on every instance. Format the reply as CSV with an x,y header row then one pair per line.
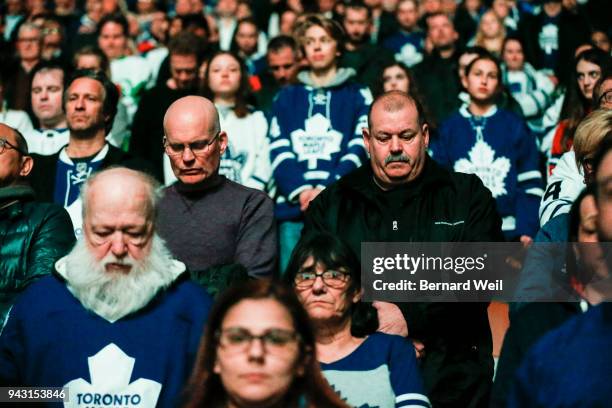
x,y
402,195
210,222
89,328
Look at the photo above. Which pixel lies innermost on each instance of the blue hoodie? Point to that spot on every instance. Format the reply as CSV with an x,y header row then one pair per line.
x,y
499,149
315,137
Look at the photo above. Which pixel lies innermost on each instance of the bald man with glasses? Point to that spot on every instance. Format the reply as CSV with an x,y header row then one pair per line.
x,y
210,223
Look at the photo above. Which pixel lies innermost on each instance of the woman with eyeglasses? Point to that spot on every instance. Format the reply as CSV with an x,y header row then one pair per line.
x,y
258,351
377,370
246,159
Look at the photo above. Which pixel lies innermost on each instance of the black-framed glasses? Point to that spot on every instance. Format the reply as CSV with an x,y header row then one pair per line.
x,y
606,97
332,278
198,148
240,339
4,143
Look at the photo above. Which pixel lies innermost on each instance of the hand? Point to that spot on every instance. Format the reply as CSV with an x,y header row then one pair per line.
x,y
307,196
526,240
419,348
390,319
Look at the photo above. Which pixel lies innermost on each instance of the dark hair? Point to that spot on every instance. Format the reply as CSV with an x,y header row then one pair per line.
x,y
283,41
243,94
512,38
191,21
573,268
205,388
575,106
427,16
379,86
111,94
49,66
246,20
116,18
488,57
357,5
187,43
97,52
331,252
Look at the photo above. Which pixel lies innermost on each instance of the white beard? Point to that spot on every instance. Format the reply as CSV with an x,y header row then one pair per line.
x,y
115,295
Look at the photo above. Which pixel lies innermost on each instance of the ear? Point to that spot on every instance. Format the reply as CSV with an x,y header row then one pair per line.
x,y
366,137
222,142
27,163
425,130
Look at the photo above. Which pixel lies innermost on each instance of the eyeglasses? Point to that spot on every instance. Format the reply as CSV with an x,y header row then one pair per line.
x,y
333,279
4,143
198,148
605,98
239,339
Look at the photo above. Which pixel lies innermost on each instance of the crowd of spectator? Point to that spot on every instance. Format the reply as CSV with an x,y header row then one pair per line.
x,y
158,154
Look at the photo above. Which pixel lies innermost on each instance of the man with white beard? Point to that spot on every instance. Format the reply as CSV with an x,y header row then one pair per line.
x,y
119,323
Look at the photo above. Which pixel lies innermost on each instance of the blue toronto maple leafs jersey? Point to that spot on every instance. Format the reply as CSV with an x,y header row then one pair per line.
x,y
315,138
381,373
501,151
142,360
407,47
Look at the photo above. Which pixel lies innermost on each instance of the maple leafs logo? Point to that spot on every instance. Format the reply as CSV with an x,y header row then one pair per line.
x,y
317,141
491,171
409,55
110,371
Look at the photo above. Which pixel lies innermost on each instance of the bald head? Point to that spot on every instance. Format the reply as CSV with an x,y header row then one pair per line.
x,y
192,112
394,101
14,137
15,164
120,187
194,140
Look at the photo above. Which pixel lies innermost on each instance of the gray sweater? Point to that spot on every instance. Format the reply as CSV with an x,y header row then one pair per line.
x,y
217,223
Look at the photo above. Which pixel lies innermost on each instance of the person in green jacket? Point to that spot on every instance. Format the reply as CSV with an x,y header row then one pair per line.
x,y
32,235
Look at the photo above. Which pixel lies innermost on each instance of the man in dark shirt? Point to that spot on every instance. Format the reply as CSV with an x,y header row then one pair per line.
x,y
185,55
209,222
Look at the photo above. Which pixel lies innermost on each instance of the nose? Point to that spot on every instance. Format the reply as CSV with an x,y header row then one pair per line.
x,y
44,95
79,103
396,146
256,349
318,286
118,247
188,155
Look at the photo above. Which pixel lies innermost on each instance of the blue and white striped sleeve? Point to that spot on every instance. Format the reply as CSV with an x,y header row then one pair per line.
x,y
354,154
405,376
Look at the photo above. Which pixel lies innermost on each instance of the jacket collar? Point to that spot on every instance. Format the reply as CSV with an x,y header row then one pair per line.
x,y
16,194
362,182
342,76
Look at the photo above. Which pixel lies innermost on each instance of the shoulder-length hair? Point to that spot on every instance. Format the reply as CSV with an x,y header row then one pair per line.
x,y
575,105
205,388
243,94
328,250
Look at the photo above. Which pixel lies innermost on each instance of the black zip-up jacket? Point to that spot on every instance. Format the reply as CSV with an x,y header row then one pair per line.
x,y
458,365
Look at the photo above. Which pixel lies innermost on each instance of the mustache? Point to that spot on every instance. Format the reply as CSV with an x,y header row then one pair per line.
x,y
399,157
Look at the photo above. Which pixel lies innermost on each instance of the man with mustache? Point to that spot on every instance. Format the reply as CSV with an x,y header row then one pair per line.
x,y
90,102
119,322
402,195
